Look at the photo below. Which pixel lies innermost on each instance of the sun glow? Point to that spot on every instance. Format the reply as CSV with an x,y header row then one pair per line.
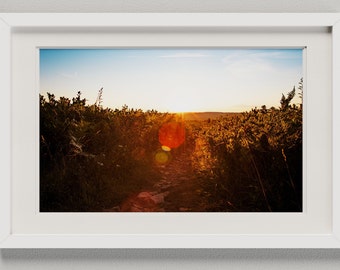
x,y
184,104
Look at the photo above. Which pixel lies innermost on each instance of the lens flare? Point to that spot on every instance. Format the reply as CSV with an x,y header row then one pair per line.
x,y
162,157
172,134
166,148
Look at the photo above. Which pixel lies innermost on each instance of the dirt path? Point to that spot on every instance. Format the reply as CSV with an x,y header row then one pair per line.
x,y
176,191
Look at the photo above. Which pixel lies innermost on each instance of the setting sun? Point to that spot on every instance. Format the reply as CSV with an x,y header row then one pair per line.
x,y
183,104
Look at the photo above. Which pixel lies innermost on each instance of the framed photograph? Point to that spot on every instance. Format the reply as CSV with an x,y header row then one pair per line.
x,y
169,130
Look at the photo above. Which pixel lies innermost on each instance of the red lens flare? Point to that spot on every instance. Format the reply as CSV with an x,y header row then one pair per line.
x,y
172,134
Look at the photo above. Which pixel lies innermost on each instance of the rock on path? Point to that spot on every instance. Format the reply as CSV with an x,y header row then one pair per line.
x,y
176,191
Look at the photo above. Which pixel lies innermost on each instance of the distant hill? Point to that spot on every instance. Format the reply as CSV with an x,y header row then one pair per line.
x,y
201,116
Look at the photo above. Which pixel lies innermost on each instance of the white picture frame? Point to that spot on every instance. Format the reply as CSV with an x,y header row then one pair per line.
x,y
10,238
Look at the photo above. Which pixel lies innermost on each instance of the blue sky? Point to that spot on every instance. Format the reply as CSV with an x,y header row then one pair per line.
x,y
173,80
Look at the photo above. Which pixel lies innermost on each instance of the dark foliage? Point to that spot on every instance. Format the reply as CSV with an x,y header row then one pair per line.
x,y
253,162
92,159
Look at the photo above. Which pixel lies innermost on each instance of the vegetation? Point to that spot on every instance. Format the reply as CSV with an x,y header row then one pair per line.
x,y
252,162
93,158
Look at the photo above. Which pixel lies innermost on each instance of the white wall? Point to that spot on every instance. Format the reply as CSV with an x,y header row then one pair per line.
x,y
169,259
169,6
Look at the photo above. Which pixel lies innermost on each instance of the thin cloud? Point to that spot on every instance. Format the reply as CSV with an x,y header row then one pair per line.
x,y
258,56
185,55
277,55
69,75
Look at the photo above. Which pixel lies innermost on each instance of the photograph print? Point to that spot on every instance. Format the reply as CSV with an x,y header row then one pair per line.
x,y
171,130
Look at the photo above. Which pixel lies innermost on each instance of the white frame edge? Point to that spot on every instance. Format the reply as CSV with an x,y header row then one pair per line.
x,y
5,135
336,128
17,20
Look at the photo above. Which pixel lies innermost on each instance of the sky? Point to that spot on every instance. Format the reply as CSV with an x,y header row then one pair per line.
x,y
173,80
